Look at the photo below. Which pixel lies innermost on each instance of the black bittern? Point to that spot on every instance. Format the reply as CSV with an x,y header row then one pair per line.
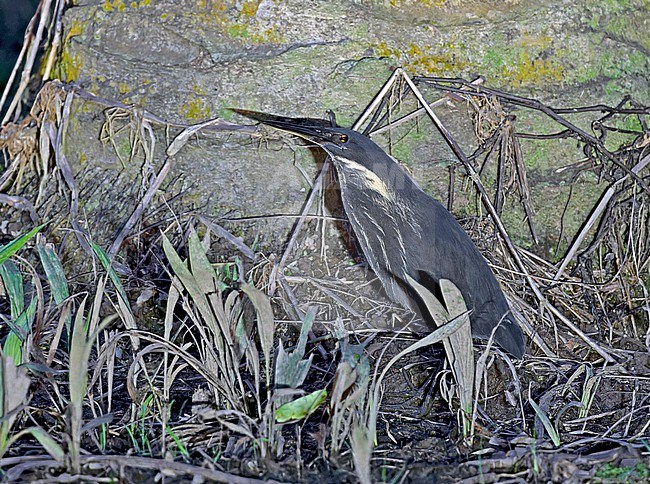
x,y
403,231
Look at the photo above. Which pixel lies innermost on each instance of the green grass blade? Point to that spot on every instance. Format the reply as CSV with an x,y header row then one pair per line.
x,y
48,443
20,329
301,407
193,287
458,346
56,277
265,324
110,270
290,368
124,307
14,386
12,280
54,272
14,246
546,422
200,264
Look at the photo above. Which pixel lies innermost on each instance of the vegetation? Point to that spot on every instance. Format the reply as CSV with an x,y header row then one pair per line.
x,y
176,348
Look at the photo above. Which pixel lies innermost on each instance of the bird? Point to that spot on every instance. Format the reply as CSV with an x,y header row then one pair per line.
x,y
403,231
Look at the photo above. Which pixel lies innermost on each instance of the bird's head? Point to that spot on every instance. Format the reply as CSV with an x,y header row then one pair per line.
x,y
346,146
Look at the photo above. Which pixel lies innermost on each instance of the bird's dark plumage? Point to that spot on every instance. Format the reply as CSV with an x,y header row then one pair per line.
x,y
402,230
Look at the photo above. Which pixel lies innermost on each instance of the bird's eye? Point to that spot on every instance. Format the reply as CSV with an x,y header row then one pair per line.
x,y
343,138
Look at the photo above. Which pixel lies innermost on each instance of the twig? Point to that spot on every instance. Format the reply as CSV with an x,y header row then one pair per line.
x,y
43,11
419,111
142,205
164,466
221,232
210,125
318,184
56,39
595,214
55,135
534,104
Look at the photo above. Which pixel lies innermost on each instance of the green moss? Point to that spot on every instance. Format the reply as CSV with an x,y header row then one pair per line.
x,y
402,151
123,88
513,217
614,65
594,22
608,7
225,103
536,154
619,26
68,66
120,6
225,114
344,120
402,147
421,3
425,59
199,90
585,73
241,25
238,31
110,6
123,148
361,32
195,110
493,60
531,60
637,473
75,29
533,71
249,8
630,123
615,139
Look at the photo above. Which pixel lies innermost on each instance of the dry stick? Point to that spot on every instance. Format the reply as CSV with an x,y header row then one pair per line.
x,y
222,232
303,215
595,214
336,298
19,61
55,135
550,112
502,230
172,149
277,271
167,467
56,39
523,183
420,111
175,146
31,59
142,205
377,99
296,230
215,124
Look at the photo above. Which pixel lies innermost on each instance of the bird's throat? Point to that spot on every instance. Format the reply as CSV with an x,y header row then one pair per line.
x,y
365,178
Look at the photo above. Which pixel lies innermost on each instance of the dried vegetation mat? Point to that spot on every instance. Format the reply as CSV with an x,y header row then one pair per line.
x,y
243,366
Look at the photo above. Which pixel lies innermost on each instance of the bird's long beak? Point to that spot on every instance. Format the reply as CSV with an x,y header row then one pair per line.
x,y
310,128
